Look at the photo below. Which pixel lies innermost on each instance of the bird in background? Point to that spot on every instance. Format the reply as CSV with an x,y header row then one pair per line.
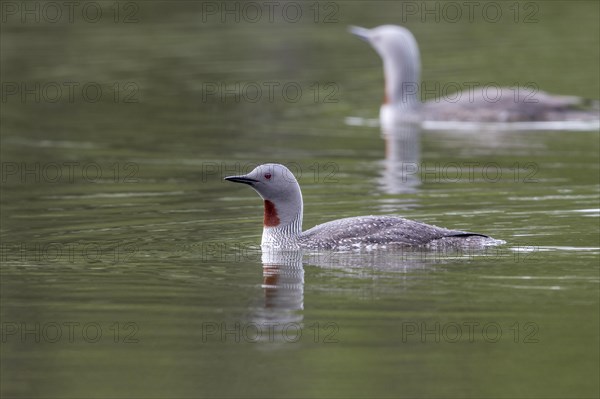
x,y
283,213
399,51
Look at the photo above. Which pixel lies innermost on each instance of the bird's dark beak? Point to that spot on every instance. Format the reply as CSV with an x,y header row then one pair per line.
x,y
241,179
362,33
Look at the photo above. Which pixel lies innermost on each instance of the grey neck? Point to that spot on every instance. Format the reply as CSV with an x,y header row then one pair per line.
x,y
402,84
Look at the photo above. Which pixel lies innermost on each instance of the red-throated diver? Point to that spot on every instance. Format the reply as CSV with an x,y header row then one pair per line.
x,y
402,68
282,223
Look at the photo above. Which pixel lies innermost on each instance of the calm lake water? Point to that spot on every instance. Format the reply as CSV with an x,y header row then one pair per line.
x,y
130,269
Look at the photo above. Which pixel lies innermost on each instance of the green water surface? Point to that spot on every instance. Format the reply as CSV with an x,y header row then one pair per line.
x,y
130,269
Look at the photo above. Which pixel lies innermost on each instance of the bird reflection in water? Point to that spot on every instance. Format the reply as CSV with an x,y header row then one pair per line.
x,y
283,287
399,174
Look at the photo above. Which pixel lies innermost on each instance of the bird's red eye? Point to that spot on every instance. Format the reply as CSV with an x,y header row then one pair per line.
x,y
268,176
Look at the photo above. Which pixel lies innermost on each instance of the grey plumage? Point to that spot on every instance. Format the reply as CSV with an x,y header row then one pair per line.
x,y
388,231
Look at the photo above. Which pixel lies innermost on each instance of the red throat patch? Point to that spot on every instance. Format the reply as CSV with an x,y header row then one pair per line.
x,y
271,219
386,98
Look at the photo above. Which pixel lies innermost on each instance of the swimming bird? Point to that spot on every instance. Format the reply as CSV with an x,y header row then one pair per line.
x,y
283,212
399,51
